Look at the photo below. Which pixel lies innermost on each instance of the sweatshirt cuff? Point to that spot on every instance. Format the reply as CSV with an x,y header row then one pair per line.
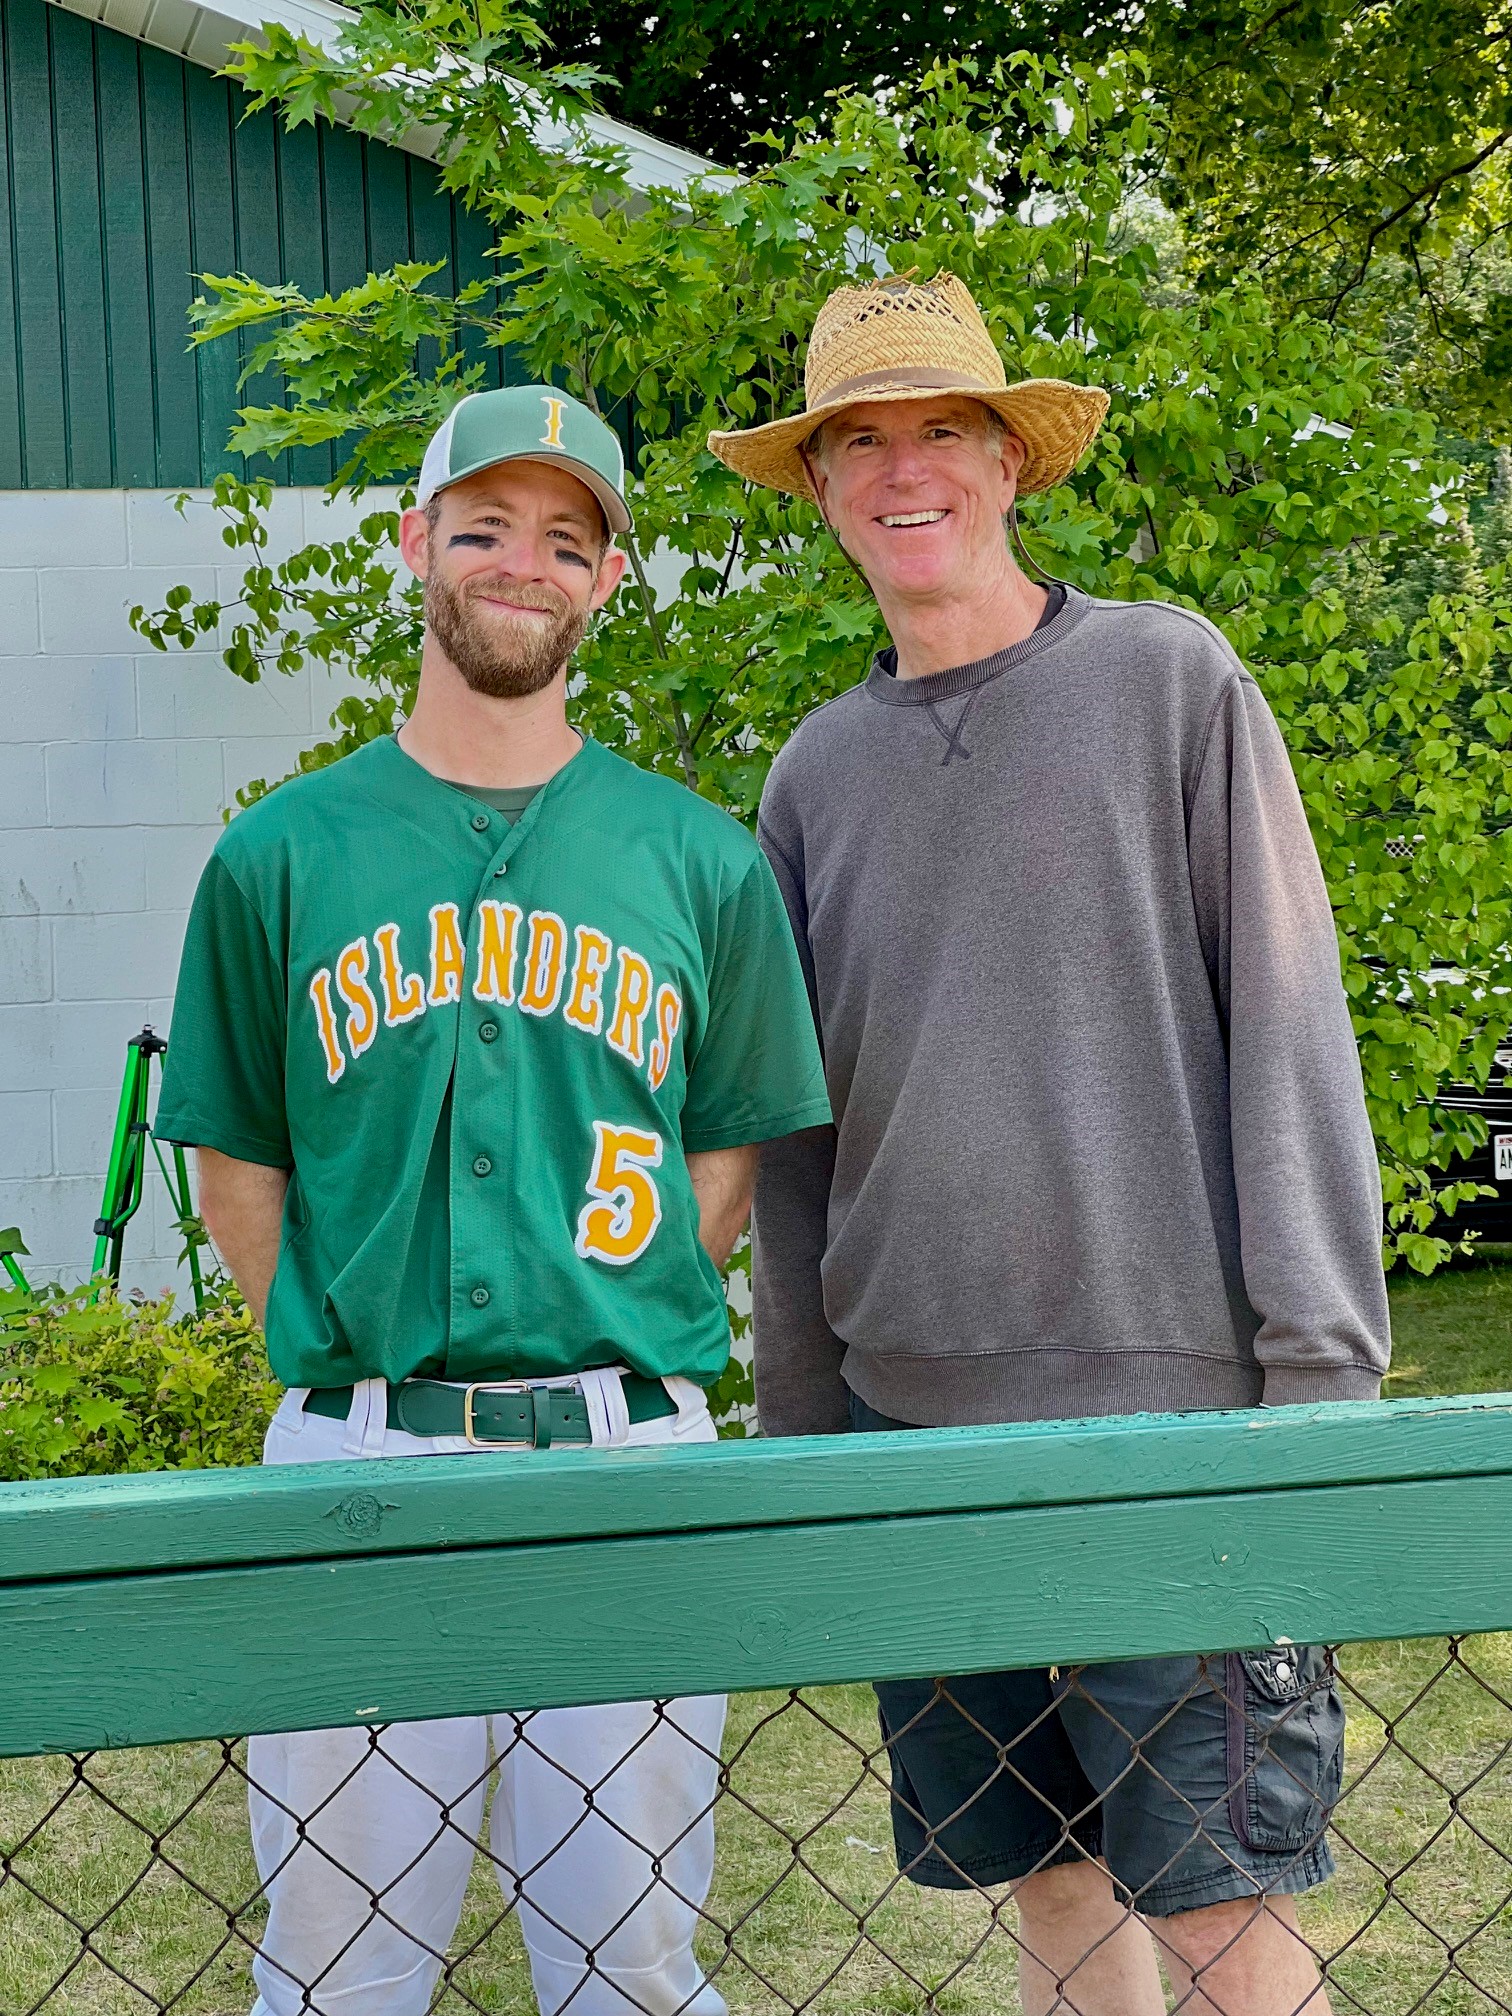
x,y
1304,1385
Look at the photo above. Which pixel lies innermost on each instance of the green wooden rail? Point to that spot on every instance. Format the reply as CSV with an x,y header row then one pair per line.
x,y
158,1608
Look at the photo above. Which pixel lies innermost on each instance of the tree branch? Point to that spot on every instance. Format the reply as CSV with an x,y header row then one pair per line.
x,y
659,645
1427,196
653,624
729,566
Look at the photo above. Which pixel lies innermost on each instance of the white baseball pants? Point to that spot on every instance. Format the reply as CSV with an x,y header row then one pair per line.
x,y
365,1839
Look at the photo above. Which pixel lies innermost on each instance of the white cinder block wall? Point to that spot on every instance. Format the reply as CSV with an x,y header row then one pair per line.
x,y
116,763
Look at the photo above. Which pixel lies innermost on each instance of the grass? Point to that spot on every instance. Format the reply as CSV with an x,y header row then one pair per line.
x,y
1452,1332
146,1851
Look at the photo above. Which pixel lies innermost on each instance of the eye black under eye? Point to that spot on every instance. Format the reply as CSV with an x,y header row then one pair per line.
x,y
577,559
484,539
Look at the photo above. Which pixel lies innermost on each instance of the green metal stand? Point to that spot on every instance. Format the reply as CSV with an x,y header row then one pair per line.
x,y
125,1175
125,1180
11,1243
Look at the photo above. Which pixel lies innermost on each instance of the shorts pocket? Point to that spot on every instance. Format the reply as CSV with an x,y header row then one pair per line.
x,y
1285,1746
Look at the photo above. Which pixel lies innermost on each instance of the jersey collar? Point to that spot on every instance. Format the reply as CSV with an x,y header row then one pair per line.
x,y
429,797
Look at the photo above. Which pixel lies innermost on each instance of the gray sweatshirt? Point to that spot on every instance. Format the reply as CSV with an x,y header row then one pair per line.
x,y
1101,1142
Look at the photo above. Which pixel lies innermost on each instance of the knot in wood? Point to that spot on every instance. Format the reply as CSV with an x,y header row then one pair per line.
x,y
359,1515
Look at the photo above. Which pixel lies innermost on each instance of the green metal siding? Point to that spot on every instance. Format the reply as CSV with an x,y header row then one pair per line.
x,y
129,171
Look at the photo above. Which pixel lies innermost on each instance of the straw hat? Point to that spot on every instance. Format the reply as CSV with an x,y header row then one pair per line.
x,y
899,339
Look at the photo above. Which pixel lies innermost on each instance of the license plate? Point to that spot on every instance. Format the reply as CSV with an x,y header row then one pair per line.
x,y
1503,1147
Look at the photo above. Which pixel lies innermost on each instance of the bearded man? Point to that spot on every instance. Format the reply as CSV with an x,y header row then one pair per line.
x,y
476,1034
1100,1139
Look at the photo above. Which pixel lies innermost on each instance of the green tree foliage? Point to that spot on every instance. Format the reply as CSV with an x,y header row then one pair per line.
x,y
1355,154
716,77
1250,460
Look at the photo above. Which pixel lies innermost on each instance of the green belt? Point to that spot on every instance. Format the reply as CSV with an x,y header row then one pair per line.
x,y
497,1414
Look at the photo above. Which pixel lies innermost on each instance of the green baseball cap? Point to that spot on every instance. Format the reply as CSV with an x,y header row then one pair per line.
x,y
534,423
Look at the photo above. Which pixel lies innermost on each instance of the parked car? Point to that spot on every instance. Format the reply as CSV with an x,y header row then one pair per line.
x,y
1491,1163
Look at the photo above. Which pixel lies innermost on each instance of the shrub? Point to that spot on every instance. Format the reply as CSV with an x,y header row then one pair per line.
x,y
93,1382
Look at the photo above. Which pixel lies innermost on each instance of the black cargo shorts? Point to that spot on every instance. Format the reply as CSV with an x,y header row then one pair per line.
x,y
1197,1779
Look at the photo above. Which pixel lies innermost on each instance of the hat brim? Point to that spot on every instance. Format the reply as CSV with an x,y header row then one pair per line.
x,y
616,511
1055,421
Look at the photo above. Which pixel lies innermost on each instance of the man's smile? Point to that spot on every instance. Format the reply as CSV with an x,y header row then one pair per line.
x,y
515,608
904,518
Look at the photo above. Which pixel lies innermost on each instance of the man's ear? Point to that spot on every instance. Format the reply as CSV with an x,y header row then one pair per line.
x,y
611,573
414,542
820,482
1014,453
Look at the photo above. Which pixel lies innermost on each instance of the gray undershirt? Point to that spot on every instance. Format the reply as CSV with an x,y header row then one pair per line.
x,y
510,800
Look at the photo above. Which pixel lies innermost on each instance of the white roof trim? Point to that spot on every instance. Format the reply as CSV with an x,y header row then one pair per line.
x,y
203,30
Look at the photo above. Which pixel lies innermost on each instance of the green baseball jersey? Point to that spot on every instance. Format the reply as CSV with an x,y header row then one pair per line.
x,y
483,1050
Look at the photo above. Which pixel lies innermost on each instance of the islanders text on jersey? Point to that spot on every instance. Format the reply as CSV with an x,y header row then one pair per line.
x,y
532,964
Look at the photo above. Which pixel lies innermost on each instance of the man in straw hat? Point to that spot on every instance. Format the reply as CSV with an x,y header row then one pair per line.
x,y
1100,1141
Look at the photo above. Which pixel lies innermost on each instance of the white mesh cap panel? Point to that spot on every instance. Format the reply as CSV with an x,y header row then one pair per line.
x,y
435,470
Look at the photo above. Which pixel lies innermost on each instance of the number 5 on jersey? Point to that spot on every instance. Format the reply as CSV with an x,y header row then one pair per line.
x,y
621,1222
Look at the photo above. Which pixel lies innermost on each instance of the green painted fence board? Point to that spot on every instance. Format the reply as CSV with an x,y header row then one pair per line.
x,y
166,147
80,241
345,216
190,1519
128,291
39,318
475,237
212,219
259,251
12,471
156,1658
386,199
302,226
345,227
431,236
127,171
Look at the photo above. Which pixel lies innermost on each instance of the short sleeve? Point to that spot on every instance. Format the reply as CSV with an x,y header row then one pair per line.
x,y
223,1078
756,1073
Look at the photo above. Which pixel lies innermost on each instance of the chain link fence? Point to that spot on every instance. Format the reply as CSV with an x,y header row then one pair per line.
x,y
128,1884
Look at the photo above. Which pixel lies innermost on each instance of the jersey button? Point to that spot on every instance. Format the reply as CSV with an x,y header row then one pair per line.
x,y
488,1031
480,822
482,1166
480,1298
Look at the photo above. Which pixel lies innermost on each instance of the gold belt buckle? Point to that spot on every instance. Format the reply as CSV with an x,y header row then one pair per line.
x,y
493,1386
